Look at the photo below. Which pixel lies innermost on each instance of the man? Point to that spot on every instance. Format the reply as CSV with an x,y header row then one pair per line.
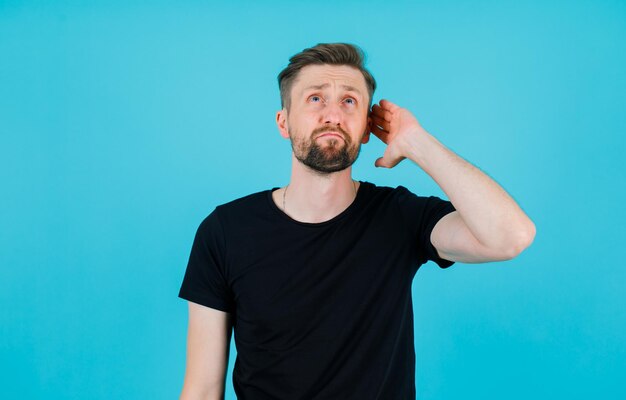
x,y
315,277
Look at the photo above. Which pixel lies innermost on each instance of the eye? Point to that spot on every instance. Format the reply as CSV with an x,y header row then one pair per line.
x,y
350,101
315,99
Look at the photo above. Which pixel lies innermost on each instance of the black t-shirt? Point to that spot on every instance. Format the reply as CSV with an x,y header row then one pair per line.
x,y
321,310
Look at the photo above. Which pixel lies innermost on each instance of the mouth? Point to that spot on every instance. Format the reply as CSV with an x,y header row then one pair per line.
x,y
331,134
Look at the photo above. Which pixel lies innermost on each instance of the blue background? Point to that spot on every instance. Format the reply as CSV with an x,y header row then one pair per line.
x,y
122,125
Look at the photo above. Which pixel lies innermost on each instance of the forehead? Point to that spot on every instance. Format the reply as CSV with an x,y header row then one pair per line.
x,y
335,76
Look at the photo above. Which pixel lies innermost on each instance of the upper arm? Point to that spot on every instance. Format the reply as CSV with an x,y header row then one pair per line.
x,y
208,342
455,242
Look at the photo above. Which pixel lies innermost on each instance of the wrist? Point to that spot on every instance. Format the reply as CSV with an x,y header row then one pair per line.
x,y
420,146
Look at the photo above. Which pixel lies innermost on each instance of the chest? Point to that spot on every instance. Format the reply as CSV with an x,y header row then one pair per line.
x,y
294,285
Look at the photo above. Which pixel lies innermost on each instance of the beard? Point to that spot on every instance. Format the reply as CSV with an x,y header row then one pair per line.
x,y
333,156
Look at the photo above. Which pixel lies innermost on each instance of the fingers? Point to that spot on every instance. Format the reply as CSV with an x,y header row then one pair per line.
x,y
385,109
379,133
376,120
381,113
379,126
386,104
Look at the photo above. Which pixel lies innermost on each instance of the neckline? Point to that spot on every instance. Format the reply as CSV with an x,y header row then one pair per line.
x,y
363,186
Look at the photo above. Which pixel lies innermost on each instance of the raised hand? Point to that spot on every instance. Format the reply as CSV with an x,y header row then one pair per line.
x,y
487,225
396,127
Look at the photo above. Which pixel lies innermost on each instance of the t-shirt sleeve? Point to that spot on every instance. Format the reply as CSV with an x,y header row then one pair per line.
x,y
421,214
205,280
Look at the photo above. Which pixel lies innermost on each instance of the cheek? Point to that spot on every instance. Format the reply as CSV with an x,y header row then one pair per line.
x,y
361,123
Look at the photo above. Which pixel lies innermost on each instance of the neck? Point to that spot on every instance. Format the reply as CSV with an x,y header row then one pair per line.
x,y
312,197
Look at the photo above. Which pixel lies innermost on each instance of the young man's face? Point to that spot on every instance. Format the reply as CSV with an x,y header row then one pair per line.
x,y
328,116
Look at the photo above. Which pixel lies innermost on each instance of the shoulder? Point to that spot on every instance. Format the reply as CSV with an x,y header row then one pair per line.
x,y
375,190
410,204
389,192
245,202
396,200
240,209
404,195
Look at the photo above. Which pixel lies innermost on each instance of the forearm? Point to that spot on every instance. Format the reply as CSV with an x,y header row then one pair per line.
x,y
492,216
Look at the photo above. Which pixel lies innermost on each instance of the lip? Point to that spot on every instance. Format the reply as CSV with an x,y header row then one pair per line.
x,y
331,134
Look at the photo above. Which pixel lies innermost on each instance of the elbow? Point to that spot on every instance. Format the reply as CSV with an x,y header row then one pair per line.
x,y
523,240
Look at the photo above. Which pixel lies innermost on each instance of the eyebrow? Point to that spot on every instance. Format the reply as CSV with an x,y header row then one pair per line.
x,y
325,85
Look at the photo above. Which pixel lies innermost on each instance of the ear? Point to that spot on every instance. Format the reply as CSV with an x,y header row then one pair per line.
x,y
281,122
368,129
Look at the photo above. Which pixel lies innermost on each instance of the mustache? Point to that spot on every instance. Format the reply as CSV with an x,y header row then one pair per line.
x,y
325,129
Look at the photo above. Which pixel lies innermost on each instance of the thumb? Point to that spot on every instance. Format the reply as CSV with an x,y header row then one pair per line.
x,y
381,162
386,160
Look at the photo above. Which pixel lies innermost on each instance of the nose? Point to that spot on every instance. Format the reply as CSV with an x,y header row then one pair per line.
x,y
332,114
